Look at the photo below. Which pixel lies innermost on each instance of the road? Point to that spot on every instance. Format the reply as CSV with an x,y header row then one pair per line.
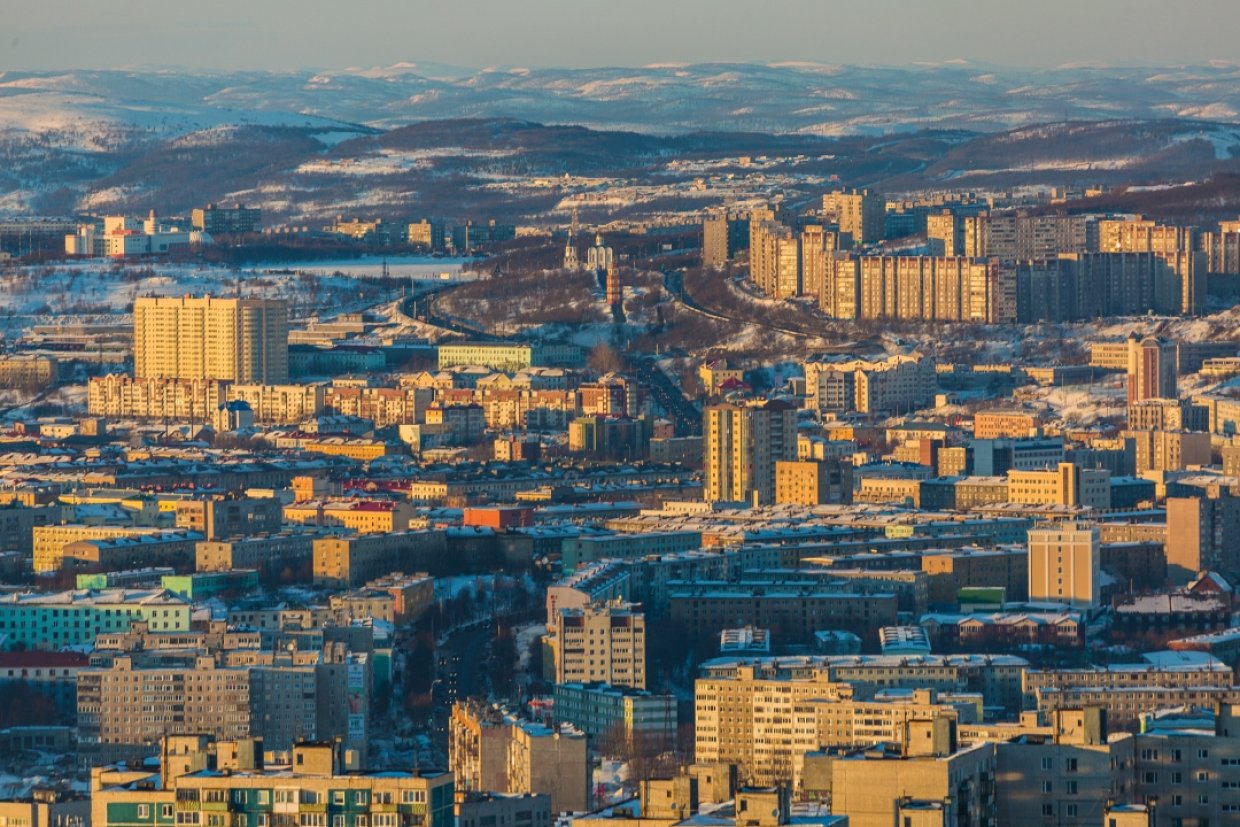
x,y
685,416
421,306
673,282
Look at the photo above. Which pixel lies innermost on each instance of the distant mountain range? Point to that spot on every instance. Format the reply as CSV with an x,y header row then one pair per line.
x,y
98,139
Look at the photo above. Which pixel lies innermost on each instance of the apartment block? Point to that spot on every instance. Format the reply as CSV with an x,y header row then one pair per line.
x,y
604,644
934,782
229,781
351,561
55,620
1169,450
18,521
270,555
922,288
236,340
28,372
1066,485
743,443
860,213
130,700
813,482
793,614
216,220
362,516
1201,535
491,750
631,717
897,384
1151,369
1064,565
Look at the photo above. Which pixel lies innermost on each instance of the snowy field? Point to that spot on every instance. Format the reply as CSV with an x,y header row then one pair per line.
x,y
40,294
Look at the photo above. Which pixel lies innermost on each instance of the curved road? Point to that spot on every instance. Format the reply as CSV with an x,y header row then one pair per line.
x,y
674,283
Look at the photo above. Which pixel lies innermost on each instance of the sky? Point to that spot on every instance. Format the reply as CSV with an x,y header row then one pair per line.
x,y
300,34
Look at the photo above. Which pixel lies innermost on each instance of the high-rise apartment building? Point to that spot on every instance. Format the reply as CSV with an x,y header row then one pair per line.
x,y
1175,246
945,234
951,289
743,442
1016,237
715,241
862,213
1151,369
1087,285
605,644
773,259
1202,533
216,220
1222,249
234,340
1064,564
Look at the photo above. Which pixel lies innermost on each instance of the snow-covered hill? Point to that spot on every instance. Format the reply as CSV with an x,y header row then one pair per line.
x,y
788,97
120,139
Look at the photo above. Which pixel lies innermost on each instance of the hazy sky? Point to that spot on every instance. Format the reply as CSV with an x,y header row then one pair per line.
x,y
289,34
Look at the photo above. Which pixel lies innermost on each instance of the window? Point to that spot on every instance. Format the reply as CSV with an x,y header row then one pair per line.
x,y
264,796
1048,809
1048,764
360,797
165,811
1069,810
1203,775
338,797
1047,787
1069,764
144,811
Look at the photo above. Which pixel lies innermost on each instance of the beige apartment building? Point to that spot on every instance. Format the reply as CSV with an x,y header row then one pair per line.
x,y
50,540
1066,485
234,340
773,259
605,644
743,443
22,371
1064,565
121,396
999,424
922,288
931,783
349,562
270,554
897,384
813,482
282,697
861,213
362,516
715,241
765,726
1169,450
490,750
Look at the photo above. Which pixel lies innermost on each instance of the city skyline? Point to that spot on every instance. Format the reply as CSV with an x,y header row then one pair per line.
x,y
280,35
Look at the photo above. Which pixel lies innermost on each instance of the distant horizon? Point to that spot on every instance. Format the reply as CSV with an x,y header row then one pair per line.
x,y
285,35
412,66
